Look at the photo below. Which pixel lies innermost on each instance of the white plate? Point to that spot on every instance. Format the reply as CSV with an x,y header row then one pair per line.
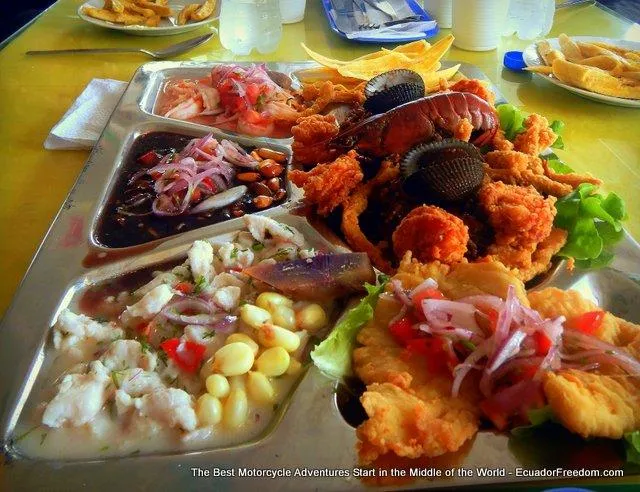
x,y
167,27
532,59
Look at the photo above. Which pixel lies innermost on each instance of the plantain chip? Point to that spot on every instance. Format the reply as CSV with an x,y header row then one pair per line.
x,y
101,14
186,12
595,80
205,10
432,79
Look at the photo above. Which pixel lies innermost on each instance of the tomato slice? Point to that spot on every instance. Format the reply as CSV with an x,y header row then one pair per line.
x,y
187,355
184,287
208,184
402,330
543,343
149,159
253,92
588,323
426,294
439,360
143,329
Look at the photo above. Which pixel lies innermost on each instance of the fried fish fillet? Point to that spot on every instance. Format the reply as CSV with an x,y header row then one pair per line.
x,y
590,404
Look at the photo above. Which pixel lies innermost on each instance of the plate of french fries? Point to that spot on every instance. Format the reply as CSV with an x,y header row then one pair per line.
x,y
150,17
602,69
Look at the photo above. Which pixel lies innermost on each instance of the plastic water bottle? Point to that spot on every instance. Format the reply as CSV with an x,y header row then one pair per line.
x,y
249,24
530,19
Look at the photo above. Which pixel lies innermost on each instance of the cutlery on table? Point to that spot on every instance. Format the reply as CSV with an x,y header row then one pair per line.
x,y
383,6
167,52
404,20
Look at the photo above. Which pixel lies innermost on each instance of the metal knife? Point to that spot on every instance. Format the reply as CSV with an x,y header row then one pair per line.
x,y
384,7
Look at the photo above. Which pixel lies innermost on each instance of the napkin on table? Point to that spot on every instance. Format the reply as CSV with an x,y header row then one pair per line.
x,y
348,19
83,123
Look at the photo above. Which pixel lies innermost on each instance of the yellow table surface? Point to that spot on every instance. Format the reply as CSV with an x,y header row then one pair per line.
x,y
36,91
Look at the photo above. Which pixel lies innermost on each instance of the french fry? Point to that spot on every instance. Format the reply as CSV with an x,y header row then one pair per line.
x,y
185,13
594,80
161,10
117,6
130,19
153,21
543,69
569,48
101,14
133,8
205,10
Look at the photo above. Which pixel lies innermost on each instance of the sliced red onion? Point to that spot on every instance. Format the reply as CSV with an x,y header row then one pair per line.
x,y
224,324
236,154
399,316
515,364
461,370
508,350
480,301
505,317
442,313
449,333
610,353
425,285
220,200
400,293
174,309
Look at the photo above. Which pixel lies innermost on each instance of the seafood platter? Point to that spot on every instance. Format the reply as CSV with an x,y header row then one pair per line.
x,y
330,275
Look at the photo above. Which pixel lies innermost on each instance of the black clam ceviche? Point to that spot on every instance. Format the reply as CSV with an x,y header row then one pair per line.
x,y
202,355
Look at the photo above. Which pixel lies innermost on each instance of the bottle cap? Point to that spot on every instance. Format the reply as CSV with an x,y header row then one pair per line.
x,y
513,60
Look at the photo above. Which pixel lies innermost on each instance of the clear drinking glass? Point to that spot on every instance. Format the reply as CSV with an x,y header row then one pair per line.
x,y
292,10
249,24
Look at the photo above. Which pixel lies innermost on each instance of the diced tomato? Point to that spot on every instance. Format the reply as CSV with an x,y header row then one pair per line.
x,y
426,294
209,184
187,355
587,322
402,330
184,287
149,159
143,329
156,176
439,360
494,413
522,373
255,118
196,195
492,314
229,97
253,92
543,343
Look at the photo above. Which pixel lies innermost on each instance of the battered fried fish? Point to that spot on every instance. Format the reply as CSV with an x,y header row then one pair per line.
x,y
310,135
537,136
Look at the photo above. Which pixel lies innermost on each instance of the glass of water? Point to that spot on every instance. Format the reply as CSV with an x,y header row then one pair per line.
x,y
249,24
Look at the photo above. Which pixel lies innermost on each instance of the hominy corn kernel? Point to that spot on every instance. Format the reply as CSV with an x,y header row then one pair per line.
x,y
283,316
243,338
311,318
254,316
259,388
273,362
233,359
275,336
235,408
217,385
294,367
267,300
208,410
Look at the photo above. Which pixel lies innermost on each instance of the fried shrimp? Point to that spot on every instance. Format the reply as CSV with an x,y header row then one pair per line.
x,y
357,203
431,233
463,130
329,185
522,220
321,94
500,141
537,136
520,216
475,86
309,137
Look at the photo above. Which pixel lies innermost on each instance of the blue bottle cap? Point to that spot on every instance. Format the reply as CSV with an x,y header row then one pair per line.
x,y
513,60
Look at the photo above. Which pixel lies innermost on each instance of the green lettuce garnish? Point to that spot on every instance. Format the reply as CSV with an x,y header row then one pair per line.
x,y
593,222
537,418
632,446
512,123
333,355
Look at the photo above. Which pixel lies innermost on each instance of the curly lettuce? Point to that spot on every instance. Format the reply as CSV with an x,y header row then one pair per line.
x,y
512,124
333,355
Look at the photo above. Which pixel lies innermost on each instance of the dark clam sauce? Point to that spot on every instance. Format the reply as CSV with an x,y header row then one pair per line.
x,y
128,218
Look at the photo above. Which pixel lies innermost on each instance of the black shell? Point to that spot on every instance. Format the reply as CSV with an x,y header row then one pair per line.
x,y
391,89
449,171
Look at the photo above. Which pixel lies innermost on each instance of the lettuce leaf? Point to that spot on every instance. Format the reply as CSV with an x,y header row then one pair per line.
x,y
537,418
632,446
511,120
333,355
557,126
593,222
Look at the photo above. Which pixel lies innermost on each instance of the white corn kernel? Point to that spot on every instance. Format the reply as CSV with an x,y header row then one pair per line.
x,y
208,410
275,336
294,367
283,316
254,316
217,385
237,382
311,318
259,388
273,362
235,408
268,300
233,359
243,338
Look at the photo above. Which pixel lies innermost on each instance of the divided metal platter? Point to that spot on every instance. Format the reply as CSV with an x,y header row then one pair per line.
x,y
308,431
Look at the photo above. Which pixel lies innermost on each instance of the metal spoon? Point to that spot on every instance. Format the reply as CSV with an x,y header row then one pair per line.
x,y
167,52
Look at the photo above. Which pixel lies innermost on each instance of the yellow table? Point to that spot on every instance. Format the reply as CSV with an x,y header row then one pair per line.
x,y
36,91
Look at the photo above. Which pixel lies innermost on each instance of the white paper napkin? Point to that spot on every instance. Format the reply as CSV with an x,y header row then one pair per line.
x,y
83,123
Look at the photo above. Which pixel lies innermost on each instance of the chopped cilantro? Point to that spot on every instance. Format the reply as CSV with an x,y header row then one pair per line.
x,y
257,246
145,346
135,453
468,344
101,319
209,334
288,228
26,433
43,437
201,283
104,448
234,253
116,377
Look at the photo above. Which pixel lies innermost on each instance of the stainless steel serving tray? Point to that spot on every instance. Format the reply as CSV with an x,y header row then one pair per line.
x,y
311,435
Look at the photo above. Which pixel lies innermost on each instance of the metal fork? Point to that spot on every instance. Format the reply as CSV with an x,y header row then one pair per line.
x,y
411,18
